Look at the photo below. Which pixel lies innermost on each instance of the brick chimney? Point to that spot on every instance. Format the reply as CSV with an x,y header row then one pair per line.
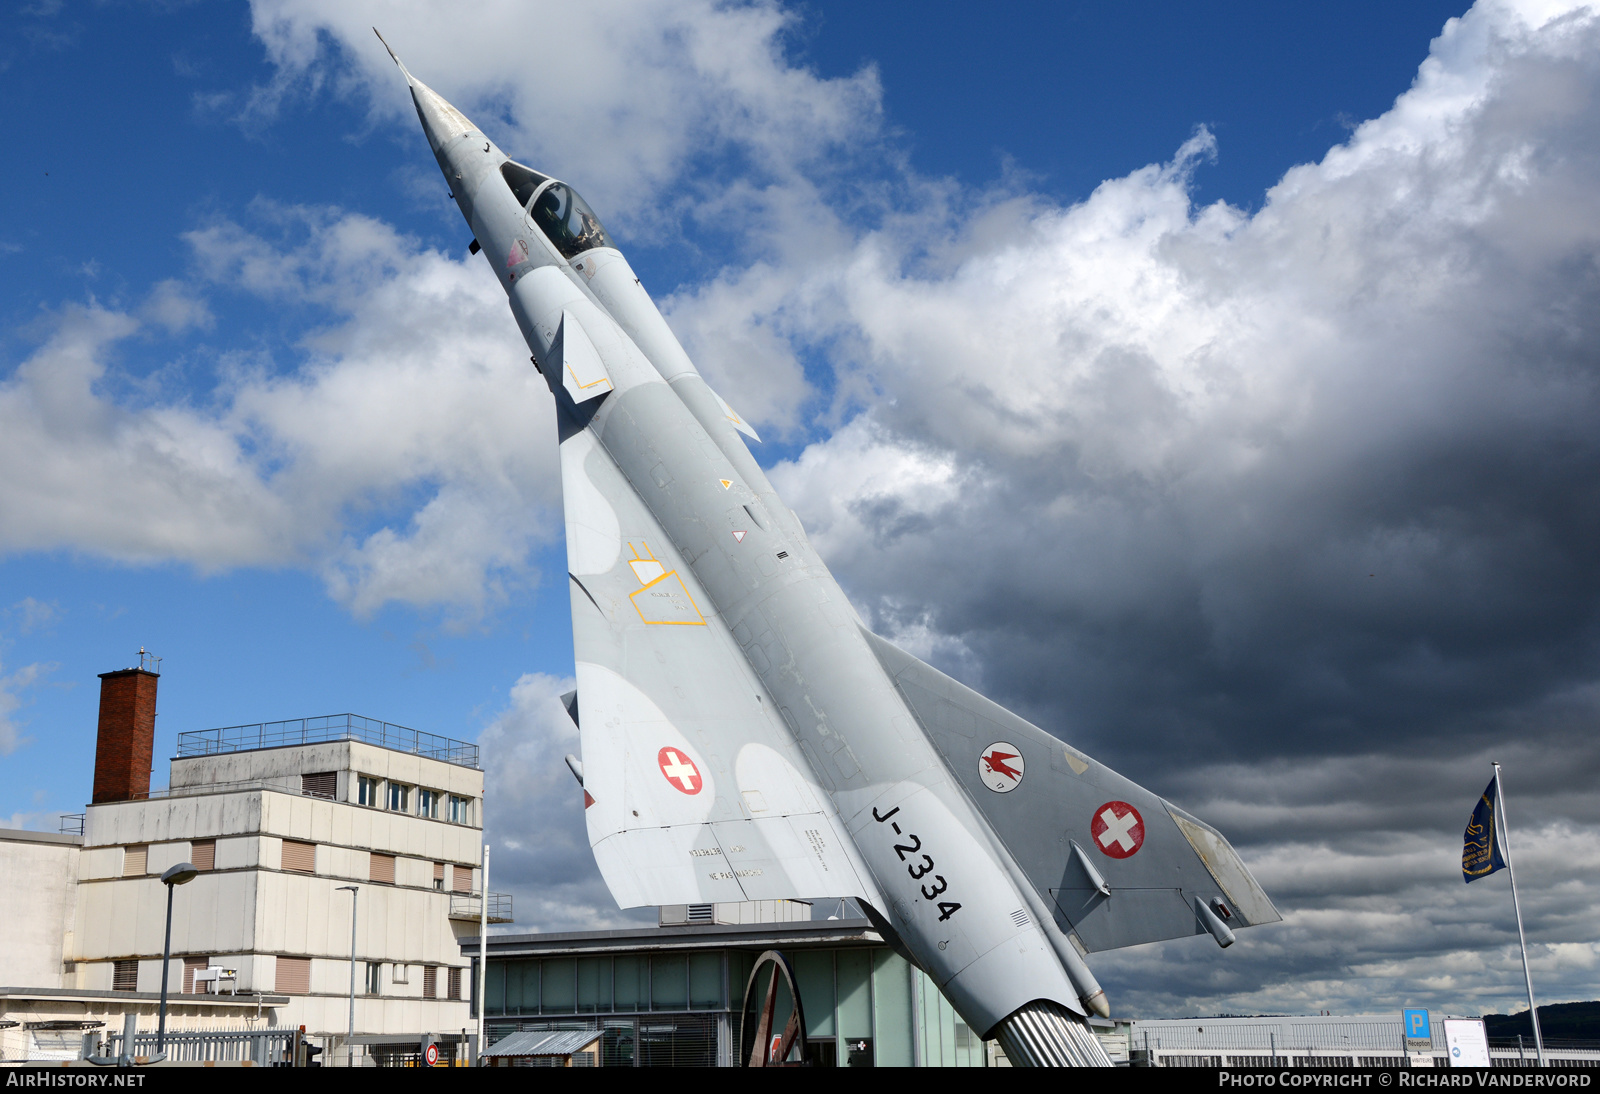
x,y
126,744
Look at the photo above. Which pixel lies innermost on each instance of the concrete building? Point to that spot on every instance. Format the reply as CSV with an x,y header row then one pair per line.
x,y
281,819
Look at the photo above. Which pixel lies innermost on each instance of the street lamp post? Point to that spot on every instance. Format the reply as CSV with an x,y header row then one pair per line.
x,y
181,874
350,1039
483,952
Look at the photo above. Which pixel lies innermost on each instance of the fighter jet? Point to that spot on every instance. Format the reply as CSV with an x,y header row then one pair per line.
x,y
744,735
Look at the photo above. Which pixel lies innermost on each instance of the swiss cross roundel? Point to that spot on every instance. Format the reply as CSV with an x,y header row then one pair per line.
x,y
679,770
1118,829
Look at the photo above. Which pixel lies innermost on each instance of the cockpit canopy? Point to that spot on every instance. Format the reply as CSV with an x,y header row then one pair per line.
x,y
568,222
522,180
563,216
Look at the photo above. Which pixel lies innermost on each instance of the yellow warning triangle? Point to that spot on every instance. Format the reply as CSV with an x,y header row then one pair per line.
x,y
726,483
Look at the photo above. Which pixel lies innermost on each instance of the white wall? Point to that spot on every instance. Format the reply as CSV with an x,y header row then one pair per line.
x,y
341,756
248,911
38,895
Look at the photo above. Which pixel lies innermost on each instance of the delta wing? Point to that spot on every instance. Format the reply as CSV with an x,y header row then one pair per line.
x,y
695,791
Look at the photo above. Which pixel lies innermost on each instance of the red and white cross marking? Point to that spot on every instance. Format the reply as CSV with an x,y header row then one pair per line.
x,y
679,770
1118,829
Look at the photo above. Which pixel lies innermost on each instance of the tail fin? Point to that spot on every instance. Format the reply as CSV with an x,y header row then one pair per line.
x,y
1119,864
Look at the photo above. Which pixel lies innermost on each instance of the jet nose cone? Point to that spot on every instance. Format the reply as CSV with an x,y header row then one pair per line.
x,y
441,122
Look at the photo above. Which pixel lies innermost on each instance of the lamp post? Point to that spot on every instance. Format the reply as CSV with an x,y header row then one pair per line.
x,y
350,1039
181,874
483,951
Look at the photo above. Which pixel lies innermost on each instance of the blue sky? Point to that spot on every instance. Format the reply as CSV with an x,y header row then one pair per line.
x,y
142,139
1262,482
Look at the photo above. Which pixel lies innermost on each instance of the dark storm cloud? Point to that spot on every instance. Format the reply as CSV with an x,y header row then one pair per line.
x,y
1292,516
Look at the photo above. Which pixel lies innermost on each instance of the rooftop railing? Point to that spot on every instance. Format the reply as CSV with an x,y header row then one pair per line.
x,y
469,906
323,729
283,784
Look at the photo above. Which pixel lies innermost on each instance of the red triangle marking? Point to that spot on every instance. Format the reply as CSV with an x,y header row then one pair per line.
x,y
588,799
738,537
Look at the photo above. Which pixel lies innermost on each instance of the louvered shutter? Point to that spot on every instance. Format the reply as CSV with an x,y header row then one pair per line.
x,y
324,784
382,868
294,976
192,965
203,853
461,878
134,859
430,982
300,857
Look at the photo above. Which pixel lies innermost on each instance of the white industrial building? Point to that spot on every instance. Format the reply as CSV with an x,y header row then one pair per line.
x,y
281,819
1322,1041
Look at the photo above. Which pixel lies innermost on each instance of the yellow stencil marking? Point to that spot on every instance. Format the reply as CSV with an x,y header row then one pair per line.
x,y
726,483
583,386
663,599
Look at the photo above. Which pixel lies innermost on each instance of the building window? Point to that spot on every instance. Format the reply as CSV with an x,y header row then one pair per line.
x,y
299,857
455,984
374,977
460,809
438,876
428,804
430,982
203,853
294,976
124,976
366,790
134,859
399,974
461,879
382,868
323,784
399,797
192,965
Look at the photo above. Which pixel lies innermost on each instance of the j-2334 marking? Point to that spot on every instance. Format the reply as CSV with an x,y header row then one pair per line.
x,y
920,867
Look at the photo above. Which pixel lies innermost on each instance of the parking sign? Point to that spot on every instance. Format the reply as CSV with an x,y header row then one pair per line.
x,y
1418,1030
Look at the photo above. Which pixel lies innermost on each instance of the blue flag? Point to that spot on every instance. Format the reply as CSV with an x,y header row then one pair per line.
x,y
1480,851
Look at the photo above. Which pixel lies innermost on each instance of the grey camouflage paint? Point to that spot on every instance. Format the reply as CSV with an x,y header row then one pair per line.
x,y
881,750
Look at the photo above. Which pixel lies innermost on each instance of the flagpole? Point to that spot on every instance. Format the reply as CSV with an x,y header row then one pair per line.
x,y
1505,841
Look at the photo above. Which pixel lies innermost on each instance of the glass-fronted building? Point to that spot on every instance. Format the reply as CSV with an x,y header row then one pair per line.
x,y
672,995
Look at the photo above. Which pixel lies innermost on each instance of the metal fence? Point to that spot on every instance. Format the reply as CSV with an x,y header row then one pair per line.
x,y
283,784
1153,1053
322,729
263,1046
1311,1041
468,906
